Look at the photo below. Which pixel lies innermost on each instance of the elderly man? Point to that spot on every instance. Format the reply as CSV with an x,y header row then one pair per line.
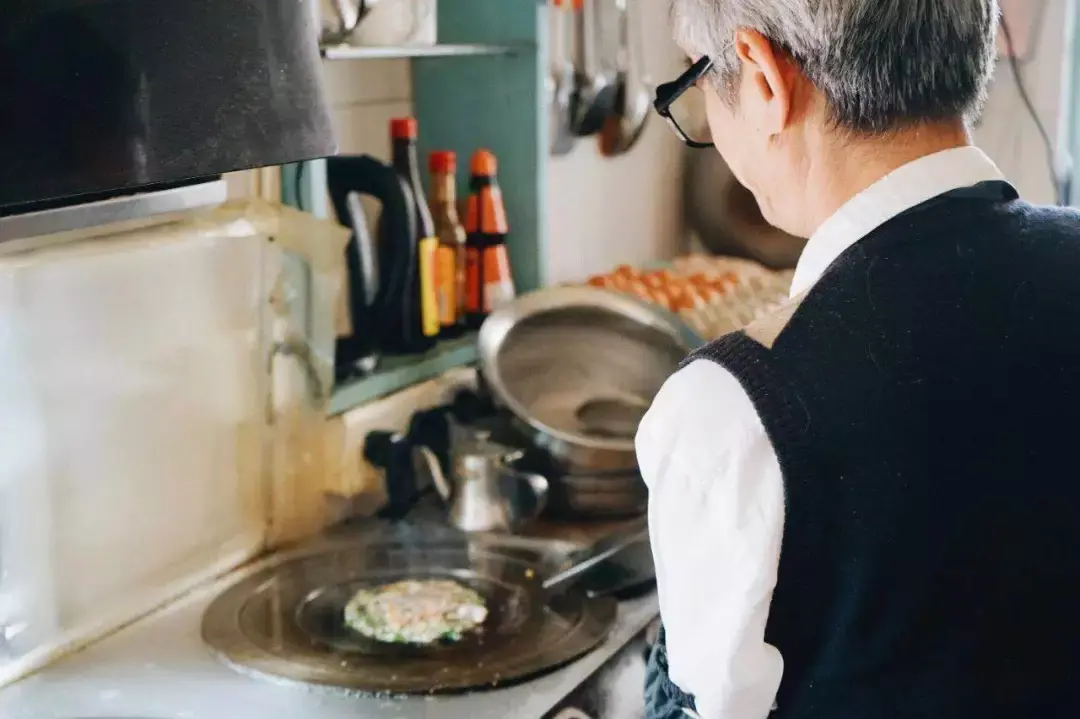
x,y
865,505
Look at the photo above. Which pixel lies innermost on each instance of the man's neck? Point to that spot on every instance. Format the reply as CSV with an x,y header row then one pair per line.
x,y
849,166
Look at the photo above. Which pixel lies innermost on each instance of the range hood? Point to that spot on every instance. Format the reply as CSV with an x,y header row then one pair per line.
x,y
106,97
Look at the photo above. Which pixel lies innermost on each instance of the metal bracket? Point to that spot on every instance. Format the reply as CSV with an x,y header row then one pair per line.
x,y
116,209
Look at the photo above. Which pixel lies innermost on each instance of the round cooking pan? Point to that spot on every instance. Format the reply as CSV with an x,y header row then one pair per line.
x,y
286,622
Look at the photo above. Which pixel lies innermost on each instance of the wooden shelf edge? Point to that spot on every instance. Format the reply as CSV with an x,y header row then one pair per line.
x,y
398,373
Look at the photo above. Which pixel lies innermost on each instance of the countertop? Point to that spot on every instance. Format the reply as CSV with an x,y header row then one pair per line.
x,y
158,668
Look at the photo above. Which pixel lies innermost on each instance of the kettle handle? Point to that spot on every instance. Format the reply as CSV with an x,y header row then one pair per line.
x,y
535,484
384,270
540,487
442,485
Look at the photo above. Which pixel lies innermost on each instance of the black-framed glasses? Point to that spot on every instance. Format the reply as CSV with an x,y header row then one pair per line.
x,y
685,112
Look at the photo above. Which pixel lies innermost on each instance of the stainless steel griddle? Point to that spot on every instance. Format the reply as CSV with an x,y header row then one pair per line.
x,y
285,622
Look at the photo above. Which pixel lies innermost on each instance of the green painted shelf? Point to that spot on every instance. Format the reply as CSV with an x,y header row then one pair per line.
x,y
395,373
482,86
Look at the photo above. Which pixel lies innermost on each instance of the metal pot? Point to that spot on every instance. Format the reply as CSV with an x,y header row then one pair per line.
x,y
577,367
726,218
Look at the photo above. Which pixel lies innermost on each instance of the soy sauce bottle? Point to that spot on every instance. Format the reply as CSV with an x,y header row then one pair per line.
x,y
488,281
450,256
403,143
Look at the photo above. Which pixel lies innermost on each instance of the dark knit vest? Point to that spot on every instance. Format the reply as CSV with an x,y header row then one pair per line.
x,y
923,399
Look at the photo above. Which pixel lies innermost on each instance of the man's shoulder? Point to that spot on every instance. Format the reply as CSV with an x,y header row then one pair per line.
x,y
699,415
761,333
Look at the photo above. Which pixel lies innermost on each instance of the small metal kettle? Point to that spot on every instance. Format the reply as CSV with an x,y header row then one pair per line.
x,y
485,493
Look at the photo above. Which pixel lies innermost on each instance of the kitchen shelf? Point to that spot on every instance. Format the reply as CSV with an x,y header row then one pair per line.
x,y
352,52
487,93
397,373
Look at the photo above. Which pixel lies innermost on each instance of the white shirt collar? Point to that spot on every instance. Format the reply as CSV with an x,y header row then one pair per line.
x,y
900,190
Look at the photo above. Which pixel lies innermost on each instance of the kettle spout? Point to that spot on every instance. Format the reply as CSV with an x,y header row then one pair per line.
x,y
442,484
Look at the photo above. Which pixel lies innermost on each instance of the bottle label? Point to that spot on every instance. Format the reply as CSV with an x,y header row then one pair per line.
x,y
474,290
498,283
446,277
429,305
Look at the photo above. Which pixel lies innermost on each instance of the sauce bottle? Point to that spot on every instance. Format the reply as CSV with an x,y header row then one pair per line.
x,y
450,254
403,143
488,282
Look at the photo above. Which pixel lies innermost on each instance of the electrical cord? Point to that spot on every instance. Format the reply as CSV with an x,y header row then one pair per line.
x,y
300,166
1062,185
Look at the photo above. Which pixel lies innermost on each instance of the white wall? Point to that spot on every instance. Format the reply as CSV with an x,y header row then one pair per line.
x,y
627,209
365,95
603,212
1007,132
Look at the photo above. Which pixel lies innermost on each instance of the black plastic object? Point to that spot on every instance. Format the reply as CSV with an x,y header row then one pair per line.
x,y
383,275
469,407
393,453
107,95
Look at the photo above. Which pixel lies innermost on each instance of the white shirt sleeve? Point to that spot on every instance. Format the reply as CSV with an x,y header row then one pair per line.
x,y
716,516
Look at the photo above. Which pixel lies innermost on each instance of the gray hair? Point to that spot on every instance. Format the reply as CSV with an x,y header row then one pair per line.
x,y
881,64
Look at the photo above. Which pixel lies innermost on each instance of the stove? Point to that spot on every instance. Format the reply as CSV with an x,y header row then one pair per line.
x,y
160,668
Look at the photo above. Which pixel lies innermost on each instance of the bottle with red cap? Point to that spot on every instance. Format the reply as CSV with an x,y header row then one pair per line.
x,y
488,281
403,143
450,255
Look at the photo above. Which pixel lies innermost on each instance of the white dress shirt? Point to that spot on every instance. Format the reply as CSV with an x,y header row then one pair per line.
x,y
716,493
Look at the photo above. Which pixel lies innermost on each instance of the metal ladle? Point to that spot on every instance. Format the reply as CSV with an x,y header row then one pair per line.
x,y
595,88
338,18
560,83
625,124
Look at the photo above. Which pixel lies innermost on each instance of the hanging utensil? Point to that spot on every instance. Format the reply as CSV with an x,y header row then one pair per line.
x,y
626,123
338,18
595,89
561,78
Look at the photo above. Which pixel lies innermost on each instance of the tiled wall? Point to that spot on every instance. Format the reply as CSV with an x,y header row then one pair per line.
x,y
364,96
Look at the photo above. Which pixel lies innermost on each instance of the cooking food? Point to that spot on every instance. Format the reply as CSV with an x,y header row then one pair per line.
x,y
416,611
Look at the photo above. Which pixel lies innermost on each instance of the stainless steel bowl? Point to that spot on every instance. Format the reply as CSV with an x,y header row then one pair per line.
x,y
578,367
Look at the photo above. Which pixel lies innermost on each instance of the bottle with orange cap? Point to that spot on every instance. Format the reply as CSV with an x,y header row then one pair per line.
x,y
403,143
488,281
450,254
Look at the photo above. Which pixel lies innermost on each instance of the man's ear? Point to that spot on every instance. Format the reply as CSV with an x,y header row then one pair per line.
x,y
768,81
